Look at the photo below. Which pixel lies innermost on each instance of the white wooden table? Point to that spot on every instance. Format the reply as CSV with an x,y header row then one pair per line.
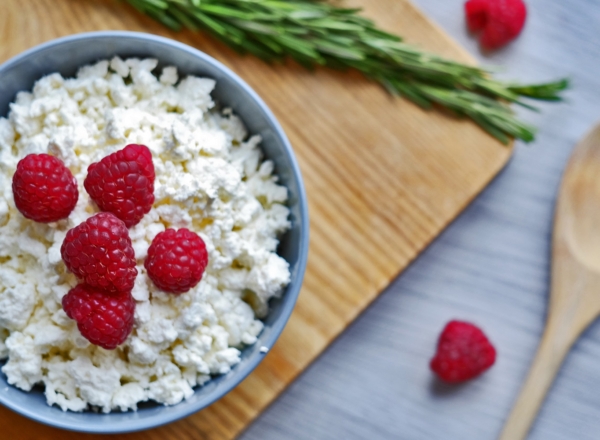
x,y
490,267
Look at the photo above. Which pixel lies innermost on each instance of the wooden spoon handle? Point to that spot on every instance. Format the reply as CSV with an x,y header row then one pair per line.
x,y
547,361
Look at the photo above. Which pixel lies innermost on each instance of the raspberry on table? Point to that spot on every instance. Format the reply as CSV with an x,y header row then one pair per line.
x,y
463,352
499,21
99,251
103,320
176,260
123,183
44,189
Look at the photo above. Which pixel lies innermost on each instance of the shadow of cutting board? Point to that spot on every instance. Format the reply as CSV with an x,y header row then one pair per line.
x,y
383,178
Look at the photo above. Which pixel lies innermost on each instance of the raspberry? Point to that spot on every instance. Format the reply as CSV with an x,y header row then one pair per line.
x,y
463,352
500,21
99,251
103,320
176,260
123,183
44,188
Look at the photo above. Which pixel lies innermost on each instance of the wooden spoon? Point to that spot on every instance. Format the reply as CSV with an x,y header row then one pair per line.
x,y
575,292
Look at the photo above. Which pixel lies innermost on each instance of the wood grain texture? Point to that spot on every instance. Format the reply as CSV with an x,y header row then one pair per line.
x,y
574,299
383,178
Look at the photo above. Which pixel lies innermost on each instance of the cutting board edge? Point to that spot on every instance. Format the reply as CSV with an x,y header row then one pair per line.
x,y
455,44
501,166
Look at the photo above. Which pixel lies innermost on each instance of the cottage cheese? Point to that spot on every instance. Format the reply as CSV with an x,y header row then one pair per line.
x,y
210,178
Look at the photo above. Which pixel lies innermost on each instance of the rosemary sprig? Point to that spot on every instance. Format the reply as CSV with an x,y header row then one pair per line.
x,y
318,33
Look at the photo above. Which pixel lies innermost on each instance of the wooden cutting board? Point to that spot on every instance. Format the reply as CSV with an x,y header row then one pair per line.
x,y
383,179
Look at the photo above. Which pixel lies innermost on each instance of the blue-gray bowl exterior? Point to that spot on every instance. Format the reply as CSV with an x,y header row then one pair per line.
x,y
66,55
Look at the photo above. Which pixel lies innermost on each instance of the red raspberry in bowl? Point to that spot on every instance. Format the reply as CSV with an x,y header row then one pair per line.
x,y
103,320
499,21
463,352
99,251
176,260
123,183
44,188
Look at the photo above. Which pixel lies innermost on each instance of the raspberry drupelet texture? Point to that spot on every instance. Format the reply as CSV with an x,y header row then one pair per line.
x,y
463,352
499,21
176,260
99,251
103,320
123,183
44,188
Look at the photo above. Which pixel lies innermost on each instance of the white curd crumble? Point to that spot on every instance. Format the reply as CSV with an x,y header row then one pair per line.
x,y
210,178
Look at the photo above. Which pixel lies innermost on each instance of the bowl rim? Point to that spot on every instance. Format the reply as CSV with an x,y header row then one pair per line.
x,y
291,293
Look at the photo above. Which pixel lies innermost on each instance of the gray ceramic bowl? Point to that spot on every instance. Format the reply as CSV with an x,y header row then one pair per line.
x,y
66,55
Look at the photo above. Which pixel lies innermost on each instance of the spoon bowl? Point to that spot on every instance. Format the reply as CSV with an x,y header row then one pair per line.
x,y
581,201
